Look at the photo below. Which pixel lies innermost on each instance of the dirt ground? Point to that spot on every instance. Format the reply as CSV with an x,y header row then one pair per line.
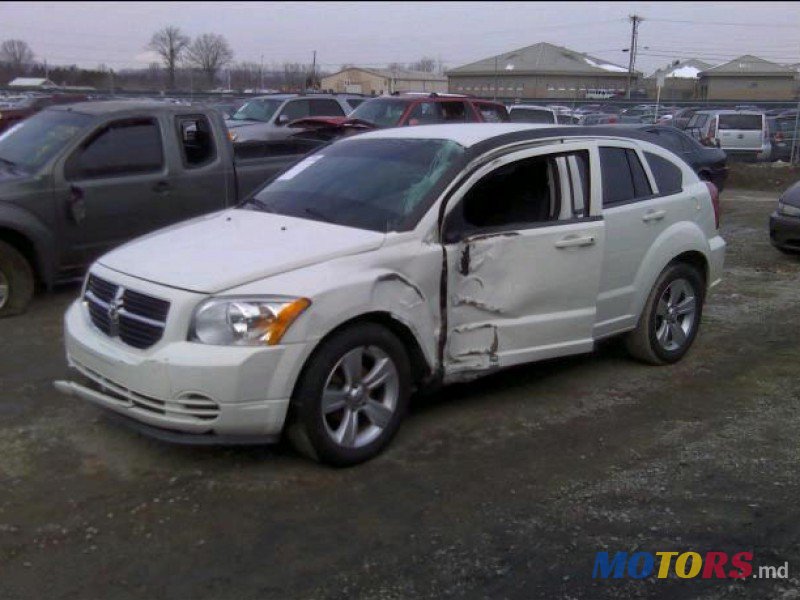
x,y
502,488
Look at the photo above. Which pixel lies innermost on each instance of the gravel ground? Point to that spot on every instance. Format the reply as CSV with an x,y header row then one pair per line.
x,y
502,488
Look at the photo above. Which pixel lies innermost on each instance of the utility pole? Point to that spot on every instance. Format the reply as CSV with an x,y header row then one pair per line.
x,y
494,96
635,20
261,89
314,70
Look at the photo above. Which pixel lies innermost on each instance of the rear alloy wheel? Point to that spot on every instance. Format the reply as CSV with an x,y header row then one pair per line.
x,y
16,281
351,397
671,316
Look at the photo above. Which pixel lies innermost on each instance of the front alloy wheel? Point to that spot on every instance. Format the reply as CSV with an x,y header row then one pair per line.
x,y
360,396
351,396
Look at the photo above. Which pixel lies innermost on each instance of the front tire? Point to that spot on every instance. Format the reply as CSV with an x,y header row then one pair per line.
x,y
671,317
351,396
16,281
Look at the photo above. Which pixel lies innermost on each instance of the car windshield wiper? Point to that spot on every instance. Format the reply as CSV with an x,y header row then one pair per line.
x,y
260,204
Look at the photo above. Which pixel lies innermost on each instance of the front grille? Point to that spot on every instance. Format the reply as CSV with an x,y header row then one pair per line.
x,y
136,318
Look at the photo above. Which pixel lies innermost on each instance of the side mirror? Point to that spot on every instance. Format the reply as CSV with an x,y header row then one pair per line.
x,y
282,120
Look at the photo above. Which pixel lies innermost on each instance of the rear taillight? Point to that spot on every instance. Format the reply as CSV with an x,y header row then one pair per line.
x,y
612,120
778,137
712,189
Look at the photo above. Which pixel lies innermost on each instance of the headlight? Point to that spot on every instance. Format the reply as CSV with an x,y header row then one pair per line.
x,y
245,321
788,210
233,136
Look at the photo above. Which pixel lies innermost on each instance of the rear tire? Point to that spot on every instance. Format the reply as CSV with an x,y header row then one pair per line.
x,y
16,281
351,396
671,317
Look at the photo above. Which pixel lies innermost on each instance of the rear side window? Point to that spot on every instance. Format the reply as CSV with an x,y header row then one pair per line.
x,y
128,147
492,113
525,115
197,143
325,107
624,179
668,176
456,112
740,122
425,113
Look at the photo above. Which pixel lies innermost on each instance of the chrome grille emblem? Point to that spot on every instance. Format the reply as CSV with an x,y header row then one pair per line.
x,y
113,312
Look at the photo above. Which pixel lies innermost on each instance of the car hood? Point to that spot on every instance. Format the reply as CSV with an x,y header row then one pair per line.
x,y
234,247
239,123
792,195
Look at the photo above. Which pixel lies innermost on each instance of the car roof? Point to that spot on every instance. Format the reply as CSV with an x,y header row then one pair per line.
x,y
531,106
464,134
102,107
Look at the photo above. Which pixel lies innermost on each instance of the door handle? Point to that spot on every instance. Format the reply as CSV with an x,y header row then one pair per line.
x,y
572,241
161,187
654,215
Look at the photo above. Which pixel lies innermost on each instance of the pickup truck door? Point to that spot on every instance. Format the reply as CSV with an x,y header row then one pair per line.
x,y
524,246
112,187
201,169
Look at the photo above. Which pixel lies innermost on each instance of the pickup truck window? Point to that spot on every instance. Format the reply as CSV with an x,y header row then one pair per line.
x,y
126,147
371,184
197,142
257,110
456,112
36,140
624,179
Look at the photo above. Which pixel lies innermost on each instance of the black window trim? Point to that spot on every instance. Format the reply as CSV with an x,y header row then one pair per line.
x,y
659,193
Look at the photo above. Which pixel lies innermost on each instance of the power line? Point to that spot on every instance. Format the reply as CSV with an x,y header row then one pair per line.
x,y
707,23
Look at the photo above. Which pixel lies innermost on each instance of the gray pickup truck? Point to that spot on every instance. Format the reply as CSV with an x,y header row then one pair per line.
x,y
77,180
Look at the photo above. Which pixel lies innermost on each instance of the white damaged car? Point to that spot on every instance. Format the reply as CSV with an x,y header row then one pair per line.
x,y
390,261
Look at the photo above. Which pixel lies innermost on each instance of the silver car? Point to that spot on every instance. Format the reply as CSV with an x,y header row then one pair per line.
x,y
266,117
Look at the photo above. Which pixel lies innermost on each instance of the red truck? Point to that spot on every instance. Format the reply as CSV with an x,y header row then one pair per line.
x,y
407,110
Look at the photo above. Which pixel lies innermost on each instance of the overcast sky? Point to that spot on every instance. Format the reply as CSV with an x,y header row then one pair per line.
x,y
376,33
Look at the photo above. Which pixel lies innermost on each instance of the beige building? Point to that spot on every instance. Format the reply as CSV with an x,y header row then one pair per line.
x,y
681,80
748,78
541,71
374,82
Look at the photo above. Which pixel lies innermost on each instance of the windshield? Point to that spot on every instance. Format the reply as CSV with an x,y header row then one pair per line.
x,y
369,184
34,141
257,110
379,112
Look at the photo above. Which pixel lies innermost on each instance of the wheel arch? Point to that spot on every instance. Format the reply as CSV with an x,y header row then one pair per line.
x,y
421,371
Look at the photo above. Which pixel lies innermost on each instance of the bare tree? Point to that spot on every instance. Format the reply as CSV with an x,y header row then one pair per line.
x,y
169,43
395,66
426,64
209,52
16,53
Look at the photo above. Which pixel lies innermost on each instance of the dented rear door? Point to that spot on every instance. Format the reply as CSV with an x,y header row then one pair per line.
x,y
524,292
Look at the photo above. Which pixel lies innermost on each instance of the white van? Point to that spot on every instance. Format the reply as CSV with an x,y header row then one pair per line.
x,y
740,133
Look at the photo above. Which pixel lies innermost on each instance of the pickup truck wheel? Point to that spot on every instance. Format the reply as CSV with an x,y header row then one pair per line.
x,y
351,397
16,281
671,317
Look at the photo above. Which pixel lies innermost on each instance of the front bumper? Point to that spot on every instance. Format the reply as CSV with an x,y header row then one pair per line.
x,y
784,232
183,387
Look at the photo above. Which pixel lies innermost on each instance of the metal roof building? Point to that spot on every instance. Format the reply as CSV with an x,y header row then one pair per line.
x,y
542,70
748,78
